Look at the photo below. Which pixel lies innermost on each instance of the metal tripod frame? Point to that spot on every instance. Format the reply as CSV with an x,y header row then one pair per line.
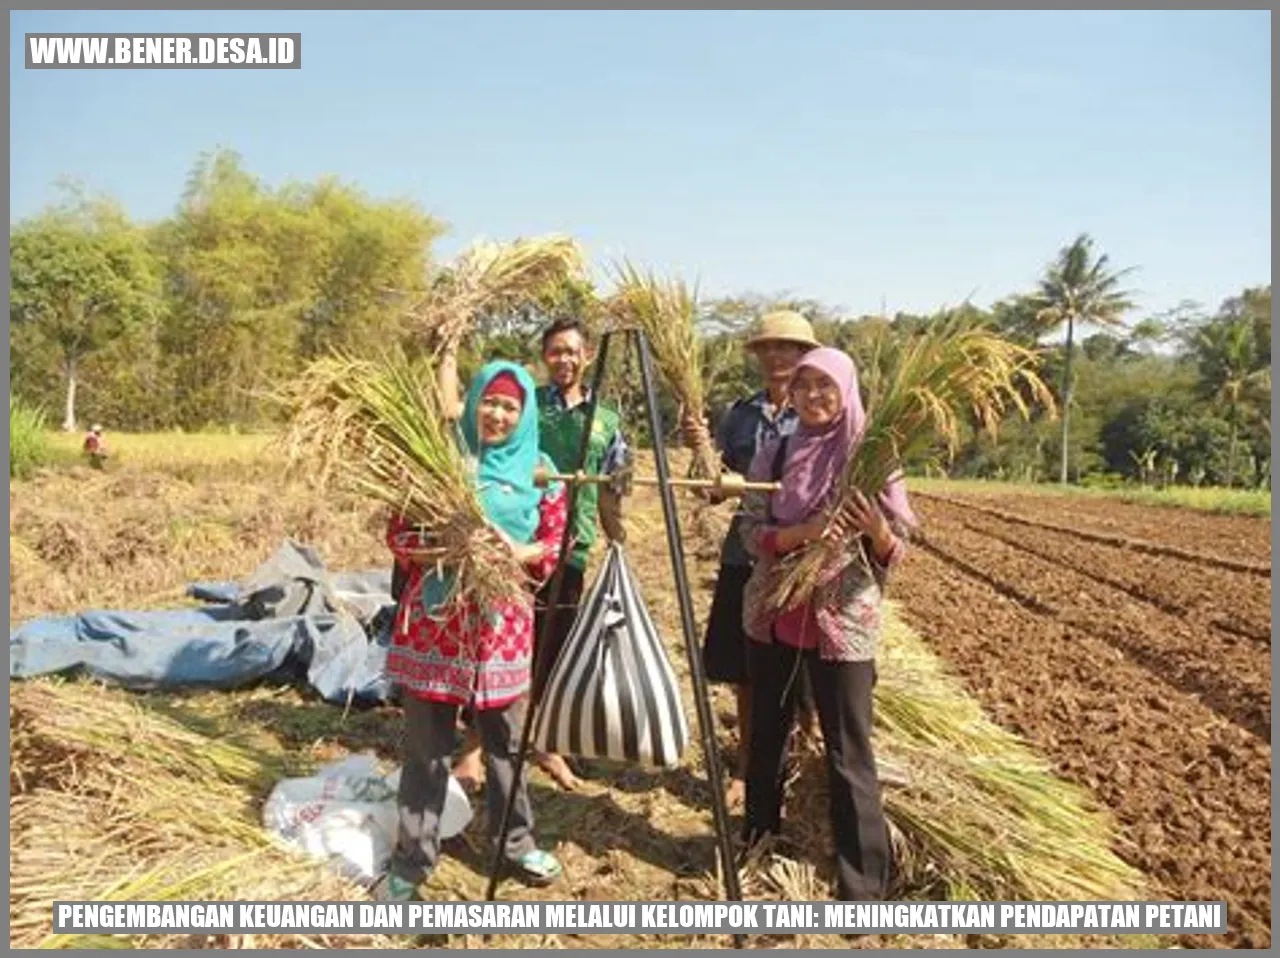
x,y
542,668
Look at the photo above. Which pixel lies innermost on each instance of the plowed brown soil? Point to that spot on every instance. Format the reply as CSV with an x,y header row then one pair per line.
x,y
1211,597
1146,678
1236,537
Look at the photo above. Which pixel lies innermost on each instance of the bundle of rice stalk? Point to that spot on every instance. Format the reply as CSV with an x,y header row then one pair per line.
x,y
70,735
378,427
159,830
186,872
666,310
981,816
918,390
493,277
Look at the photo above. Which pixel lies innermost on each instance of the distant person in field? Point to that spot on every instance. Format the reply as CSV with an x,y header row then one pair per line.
x,y
444,659
95,447
779,343
834,635
567,353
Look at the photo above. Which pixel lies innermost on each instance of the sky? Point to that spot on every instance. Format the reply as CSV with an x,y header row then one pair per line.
x,y
904,161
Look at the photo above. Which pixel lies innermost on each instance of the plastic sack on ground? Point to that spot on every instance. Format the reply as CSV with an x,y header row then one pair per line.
x,y
346,814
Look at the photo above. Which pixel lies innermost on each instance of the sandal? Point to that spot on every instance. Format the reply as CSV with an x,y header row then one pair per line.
x,y
394,888
537,867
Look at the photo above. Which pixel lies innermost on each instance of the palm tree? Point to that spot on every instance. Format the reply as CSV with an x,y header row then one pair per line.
x,y
1227,354
1078,288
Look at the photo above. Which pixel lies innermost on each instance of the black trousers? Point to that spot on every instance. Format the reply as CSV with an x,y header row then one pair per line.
x,y
842,694
565,614
726,648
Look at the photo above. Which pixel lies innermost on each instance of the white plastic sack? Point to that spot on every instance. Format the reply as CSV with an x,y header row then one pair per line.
x,y
346,814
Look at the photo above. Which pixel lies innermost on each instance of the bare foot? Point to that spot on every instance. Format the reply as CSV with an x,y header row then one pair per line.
x,y
558,769
808,734
469,771
735,796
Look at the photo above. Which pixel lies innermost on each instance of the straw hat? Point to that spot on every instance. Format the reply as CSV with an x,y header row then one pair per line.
x,y
784,326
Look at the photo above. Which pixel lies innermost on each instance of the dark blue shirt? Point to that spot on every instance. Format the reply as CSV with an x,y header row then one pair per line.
x,y
747,426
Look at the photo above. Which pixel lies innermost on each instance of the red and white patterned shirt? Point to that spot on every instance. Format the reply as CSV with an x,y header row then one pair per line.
x,y
466,655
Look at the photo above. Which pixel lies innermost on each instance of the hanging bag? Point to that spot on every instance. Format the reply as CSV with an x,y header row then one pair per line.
x,y
612,692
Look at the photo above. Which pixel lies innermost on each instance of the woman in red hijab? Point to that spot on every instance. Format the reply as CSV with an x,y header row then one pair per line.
x,y
834,635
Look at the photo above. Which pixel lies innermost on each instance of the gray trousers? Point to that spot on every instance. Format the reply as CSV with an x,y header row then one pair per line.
x,y
429,738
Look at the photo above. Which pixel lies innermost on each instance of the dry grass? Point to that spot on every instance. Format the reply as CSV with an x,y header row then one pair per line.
x,y
490,278
379,428
131,538
667,311
981,816
117,797
190,455
175,783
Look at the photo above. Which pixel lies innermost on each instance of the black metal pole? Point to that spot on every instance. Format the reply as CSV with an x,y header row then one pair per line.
x,y
541,667
733,890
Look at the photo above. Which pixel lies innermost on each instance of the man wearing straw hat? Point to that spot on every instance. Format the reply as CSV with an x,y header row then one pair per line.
x,y
778,343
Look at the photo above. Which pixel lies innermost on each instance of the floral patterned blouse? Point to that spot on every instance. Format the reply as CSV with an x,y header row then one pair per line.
x,y
842,618
465,655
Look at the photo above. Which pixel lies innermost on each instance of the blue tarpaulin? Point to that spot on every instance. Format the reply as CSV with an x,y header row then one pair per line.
x,y
290,621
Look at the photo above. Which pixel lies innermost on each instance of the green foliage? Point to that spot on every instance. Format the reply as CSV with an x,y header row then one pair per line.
x,y
1161,439
263,281
28,443
189,322
1247,502
1240,502
1080,288
80,275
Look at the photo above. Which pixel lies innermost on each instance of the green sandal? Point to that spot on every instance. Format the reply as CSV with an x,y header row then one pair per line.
x,y
393,888
537,867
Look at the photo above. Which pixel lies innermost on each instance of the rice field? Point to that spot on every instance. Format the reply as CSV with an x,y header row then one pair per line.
x,y
1242,502
1074,682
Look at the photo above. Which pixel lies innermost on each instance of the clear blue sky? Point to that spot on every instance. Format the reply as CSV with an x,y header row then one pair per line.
x,y
845,156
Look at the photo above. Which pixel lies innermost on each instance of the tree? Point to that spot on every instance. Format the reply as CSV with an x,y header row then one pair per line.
x,y
1104,347
1226,352
262,280
370,258
1018,319
1145,335
80,275
1078,288
240,273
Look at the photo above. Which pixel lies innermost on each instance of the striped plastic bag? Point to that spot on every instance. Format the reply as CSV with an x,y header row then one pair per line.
x,y
612,692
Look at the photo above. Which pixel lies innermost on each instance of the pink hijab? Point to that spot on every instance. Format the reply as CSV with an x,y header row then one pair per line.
x,y
817,457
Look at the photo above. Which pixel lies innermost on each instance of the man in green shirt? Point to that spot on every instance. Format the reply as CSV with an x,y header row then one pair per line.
x,y
562,409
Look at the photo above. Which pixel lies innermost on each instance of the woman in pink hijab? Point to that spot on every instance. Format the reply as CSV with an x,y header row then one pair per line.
x,y
835,634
